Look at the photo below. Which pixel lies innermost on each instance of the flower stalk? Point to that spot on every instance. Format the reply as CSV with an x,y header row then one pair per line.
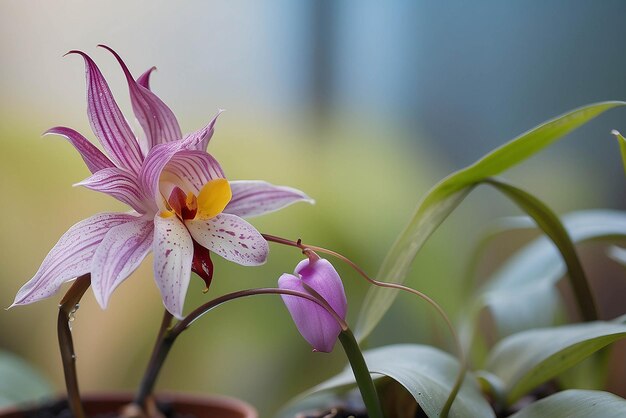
x,y
169,335
67,308
306,248
361,374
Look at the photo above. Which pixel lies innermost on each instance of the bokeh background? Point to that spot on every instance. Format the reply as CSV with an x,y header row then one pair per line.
x,y
362,104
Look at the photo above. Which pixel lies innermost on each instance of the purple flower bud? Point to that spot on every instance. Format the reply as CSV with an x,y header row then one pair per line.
x,y
315,324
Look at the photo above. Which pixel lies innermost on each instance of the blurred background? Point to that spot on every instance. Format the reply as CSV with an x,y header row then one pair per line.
x,y
362,104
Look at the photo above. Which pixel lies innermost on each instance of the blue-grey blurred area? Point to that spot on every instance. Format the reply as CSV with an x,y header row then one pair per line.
x,y
362,104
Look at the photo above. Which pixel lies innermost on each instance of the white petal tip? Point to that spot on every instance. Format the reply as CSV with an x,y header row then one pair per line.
x,y
615,132
12,306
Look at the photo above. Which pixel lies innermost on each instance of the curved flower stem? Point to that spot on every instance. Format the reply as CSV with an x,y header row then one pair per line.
x,y
461,354
145,388
164,344
361,374
67,308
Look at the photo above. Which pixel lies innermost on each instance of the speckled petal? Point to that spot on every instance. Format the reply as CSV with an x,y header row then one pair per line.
x,y
70,257
254,198
121,251
230,237
173,255
93,157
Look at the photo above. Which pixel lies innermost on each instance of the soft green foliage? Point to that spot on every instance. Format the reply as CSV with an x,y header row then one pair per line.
x,y
19,382
526,359
622,146
576,404
444,197
522,294
426,372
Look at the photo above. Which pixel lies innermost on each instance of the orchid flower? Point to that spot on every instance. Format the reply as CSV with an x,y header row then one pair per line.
x,y
184,208
315,324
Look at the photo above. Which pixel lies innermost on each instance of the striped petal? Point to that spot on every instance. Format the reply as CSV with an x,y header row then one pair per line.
x,y
93,157
202,137
119,184
173,255
159,156
192,169
254,198
107,120
144,79
121,251
230,237
156,119
70,257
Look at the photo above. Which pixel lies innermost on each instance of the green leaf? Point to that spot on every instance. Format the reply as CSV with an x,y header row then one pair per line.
x,y
553,228
529,358
576,404
521,294
426,372
622,146
444,197
19,382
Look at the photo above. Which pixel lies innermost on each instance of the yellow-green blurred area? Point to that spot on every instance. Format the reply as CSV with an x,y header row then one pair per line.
x,y
363,105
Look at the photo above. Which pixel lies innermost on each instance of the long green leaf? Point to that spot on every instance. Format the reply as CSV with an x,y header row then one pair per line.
x,y
19,382
444,197
521,294
576,404
622,146
426,372
526,359
553,228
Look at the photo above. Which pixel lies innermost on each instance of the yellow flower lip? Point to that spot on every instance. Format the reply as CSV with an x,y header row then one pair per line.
x,y
213,198
210,202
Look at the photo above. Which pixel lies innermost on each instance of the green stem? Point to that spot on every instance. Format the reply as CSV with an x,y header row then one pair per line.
x,y
361,374
67,308
169,335
159,352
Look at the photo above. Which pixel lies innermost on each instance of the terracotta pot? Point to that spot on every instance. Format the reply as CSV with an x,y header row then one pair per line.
x,y
212,406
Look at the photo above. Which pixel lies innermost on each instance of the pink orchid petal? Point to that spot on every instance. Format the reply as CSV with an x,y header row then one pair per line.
x,y
230,237
254,198
202,137
144,79
121,251
193,169
119,184
107,120
159,156
70,257
156,119
173,255
315,324
93,157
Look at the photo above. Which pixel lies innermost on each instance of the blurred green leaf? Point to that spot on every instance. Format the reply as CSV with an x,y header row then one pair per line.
x,y
622,146
551,225
527,359
426,372
521,294
444,197
19,382
576,404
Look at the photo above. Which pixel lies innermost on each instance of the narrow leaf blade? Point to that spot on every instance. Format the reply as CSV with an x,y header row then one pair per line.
x,y
576,404
444,197
526,359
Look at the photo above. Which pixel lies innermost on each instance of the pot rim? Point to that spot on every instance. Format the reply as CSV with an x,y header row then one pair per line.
x,y
175,397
